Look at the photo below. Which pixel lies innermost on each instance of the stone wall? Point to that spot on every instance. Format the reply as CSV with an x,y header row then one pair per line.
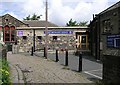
x,y
63,41
111,66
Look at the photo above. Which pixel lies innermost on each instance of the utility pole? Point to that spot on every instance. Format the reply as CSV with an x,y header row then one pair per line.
x,y
46,30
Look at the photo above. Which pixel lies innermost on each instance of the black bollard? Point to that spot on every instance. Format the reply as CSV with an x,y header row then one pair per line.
x,y
44,52
32,51
56,55
66,58
80,61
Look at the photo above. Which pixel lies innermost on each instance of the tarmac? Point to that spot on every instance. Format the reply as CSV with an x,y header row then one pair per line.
x,y
25,68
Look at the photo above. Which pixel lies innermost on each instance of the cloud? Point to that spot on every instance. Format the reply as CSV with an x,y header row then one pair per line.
x,y
30,7
59,11
83,10
13,14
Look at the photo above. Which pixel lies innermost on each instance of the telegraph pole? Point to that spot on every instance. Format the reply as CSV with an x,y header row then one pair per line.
x,y
46,29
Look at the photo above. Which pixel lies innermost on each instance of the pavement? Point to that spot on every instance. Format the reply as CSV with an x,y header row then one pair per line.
x,y
90,66
32,69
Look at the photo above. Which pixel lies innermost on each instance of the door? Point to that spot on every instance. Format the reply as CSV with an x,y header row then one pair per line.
x,y
82,42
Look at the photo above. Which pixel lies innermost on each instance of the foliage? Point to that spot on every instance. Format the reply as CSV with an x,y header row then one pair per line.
x,y
33,17
4,70
84,23
74,23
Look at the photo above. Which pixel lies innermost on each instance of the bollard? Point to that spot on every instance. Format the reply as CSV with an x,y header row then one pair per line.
x,y
44,52
32,51
80,62
66,58
57,56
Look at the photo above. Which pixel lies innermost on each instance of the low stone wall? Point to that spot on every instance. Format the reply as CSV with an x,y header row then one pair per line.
x,y
111,68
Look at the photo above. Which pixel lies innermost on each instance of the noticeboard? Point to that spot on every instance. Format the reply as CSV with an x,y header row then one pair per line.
x,y
20,33
59,32
113,41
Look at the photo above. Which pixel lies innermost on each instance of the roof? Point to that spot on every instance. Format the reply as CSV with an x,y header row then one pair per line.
x,y
36,23
29,28
111,7
19,22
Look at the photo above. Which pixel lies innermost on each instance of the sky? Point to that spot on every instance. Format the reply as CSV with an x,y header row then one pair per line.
x,y
59,11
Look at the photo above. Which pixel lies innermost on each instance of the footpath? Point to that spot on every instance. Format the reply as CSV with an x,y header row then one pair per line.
x,y
32,69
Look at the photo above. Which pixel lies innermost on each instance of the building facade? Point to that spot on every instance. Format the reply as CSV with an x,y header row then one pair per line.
x,y
105,31
28,34
59,37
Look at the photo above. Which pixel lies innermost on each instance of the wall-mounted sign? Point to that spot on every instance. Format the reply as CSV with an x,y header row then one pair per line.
x,y
20,33
59,32
113,41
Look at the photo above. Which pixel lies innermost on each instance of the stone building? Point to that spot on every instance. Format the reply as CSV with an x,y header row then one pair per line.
x,y
32,33
105,42
103,26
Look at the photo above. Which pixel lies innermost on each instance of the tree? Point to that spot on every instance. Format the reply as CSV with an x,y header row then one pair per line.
x,y
71,23
33,17
27,18
84,23
74,23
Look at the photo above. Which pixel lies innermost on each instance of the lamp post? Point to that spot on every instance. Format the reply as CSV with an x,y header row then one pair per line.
x,y
46,30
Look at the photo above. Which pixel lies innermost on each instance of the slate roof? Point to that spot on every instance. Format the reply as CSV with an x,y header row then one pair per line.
x,y
36,23
11,20
111,7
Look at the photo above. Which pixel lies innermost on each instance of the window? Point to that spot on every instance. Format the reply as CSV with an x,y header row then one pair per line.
x,y
6,20
54,37
39,37
83,39
107,27
9,33
24,37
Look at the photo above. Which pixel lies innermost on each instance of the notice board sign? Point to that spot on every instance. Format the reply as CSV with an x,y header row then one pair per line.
x,y
113,41
20,33
59,32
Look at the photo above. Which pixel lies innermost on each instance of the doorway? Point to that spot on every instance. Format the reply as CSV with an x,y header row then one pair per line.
x,y
82,42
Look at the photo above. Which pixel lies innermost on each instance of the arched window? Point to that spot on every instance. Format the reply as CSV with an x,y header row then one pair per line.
x,y
6,33
12,33
9,33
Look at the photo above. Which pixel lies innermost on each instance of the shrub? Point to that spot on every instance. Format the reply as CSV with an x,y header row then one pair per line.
x,y
5,77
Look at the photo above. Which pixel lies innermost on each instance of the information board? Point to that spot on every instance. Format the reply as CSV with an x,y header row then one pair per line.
x,y
59,32
20,33
113,41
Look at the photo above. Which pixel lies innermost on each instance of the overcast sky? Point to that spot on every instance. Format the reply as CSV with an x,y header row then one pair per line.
x,y
59,11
